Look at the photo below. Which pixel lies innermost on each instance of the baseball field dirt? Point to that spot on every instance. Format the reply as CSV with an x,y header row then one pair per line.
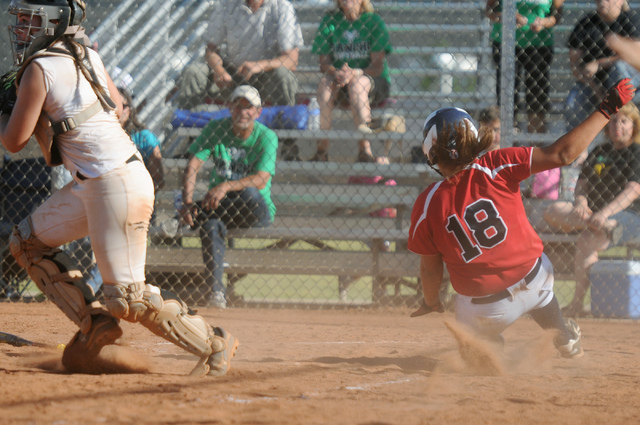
x,y
365,367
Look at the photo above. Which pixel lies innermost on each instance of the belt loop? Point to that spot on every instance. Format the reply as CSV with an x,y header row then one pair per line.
x,y
133,158
534,272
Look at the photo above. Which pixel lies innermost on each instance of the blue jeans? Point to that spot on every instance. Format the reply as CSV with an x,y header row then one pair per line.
x,y
242,209
630,222
80,250
582,100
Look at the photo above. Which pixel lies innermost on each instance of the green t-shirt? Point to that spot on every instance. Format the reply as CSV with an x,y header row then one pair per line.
x,y
234,158
352,42
531,9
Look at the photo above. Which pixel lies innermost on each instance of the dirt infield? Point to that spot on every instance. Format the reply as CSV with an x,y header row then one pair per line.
x,y
326,367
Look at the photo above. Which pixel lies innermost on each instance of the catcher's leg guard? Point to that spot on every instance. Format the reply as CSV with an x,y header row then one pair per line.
x,y
169,318
55,274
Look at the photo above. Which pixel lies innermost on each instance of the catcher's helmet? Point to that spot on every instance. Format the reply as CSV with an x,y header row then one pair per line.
x,y
57,18
437,122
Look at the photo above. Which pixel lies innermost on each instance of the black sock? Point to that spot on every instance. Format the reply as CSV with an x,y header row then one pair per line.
x,y
550,317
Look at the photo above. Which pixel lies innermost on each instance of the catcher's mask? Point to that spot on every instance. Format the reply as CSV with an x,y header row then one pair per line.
x,y
29,34
435,126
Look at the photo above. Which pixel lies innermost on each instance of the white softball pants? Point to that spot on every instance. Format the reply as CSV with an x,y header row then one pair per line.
x,y
493,318
113,209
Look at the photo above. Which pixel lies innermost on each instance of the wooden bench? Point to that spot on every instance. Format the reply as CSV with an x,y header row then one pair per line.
x,y
301,246
321,228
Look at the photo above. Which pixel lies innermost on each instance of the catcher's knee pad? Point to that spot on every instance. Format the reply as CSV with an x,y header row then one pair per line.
x,y
55,274
168,318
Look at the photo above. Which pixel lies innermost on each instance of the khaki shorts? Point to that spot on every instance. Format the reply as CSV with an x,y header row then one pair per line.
x,y
380,89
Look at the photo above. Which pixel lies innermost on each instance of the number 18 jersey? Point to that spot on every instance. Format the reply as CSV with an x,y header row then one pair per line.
x,y
476,221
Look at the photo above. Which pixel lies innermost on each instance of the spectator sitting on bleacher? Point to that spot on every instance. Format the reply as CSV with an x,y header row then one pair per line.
x,y
244,157
534,53
352,42
262,39
594,65
606,209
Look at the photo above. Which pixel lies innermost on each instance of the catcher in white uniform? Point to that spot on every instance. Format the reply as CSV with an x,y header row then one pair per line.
x,y
66,98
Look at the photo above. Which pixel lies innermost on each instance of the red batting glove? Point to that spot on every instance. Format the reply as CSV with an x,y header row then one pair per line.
x,y
616,97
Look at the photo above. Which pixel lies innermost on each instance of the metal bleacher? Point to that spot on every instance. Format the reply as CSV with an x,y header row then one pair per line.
x,y
442,54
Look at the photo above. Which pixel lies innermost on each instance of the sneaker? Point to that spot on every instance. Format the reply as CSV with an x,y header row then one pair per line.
x,y
344,296
105,330
218,300
573,349
218,363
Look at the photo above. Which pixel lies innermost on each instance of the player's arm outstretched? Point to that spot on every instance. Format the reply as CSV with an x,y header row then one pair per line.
x,y
568,147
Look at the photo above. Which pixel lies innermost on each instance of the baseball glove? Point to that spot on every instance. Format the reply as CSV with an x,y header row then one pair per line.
x,y
616,97
8,92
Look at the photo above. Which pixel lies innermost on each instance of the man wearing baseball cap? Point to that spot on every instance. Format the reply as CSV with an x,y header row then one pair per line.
x,y
243,152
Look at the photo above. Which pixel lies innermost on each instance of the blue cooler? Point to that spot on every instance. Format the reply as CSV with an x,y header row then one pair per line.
x,y
615,289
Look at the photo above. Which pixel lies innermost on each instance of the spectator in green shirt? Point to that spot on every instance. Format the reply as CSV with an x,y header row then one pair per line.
x,y
244,158
352,43
535,20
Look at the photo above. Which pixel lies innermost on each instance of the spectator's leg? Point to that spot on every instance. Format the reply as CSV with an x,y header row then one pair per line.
x,y
245,208
360,108
536,72
561,218
365,154
80,250
326,99
195,85
517,86
213,234
279,86
580,104
497,61
359,100
587,247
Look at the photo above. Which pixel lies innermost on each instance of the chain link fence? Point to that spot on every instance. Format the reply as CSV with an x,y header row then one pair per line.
x,y
346,174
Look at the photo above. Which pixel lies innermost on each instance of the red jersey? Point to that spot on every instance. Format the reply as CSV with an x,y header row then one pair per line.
x,y
476,221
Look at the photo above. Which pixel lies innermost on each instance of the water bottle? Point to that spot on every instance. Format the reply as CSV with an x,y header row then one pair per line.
x,y
314,114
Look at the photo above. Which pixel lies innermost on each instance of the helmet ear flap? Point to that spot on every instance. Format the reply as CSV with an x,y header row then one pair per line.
x,y
77,13
433,156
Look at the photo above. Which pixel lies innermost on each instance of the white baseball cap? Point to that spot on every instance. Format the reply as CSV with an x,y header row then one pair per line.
x,y
249,93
